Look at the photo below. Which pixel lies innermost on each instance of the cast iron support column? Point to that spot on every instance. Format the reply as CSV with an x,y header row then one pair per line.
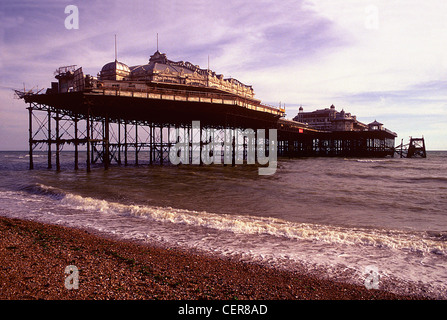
x,y
151,144
58,142
92,160
136,143
169,142
233,155
106,143
190,143
119,142
125,143
200,145
30,112
88,139
161,144
49,139
76,142
290,146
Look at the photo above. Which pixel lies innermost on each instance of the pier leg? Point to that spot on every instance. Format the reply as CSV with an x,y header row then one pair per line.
x,y
125,143
401,149
233,155
92,129
151,143
49,140
190,141
136,143
161,145
290,147
255,150
58,143
244,149
201,145
30,112
76,142
88,140
106,143
168,148
119,142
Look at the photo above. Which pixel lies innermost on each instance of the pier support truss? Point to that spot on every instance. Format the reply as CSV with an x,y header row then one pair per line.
x,y
102,137
336,144
106,140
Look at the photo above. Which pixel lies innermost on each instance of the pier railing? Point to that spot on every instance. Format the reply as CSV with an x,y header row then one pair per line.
x,y
186,96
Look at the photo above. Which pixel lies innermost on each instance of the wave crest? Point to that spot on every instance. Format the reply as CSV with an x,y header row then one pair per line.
x,y
40,189
244,224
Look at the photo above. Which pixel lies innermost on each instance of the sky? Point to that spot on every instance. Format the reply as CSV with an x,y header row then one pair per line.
x,y
382,60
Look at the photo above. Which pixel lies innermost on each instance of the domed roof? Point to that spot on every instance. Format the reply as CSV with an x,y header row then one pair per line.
x,y
115,66
158,57
375,123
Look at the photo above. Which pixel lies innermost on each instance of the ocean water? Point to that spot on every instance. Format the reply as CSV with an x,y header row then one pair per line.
x,y
337,218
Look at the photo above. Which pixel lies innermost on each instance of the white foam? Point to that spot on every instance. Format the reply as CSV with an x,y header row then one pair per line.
x,y
242,224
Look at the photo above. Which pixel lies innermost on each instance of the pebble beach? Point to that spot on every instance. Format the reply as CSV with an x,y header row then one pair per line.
x,y
33,258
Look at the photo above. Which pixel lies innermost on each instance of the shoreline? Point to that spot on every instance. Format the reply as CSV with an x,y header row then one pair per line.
x,y
34,255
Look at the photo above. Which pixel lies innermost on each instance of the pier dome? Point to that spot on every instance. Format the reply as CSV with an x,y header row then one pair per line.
x,y
114,71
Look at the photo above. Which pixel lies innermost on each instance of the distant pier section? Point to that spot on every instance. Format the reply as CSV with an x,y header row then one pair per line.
x,y
134,115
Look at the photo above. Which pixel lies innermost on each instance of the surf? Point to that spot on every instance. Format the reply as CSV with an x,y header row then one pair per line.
x,y
425,242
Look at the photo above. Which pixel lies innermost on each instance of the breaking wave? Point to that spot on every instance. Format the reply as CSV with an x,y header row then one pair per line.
x,y
40,189
426,242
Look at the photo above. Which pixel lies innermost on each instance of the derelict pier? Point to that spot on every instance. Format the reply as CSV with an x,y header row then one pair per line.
x,y
135,114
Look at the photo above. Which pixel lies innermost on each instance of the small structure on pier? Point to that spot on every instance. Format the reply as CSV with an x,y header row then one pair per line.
x,y
414,149
341,134
329,119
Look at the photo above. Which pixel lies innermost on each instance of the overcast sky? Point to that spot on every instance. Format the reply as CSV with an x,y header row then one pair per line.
x,y
378,59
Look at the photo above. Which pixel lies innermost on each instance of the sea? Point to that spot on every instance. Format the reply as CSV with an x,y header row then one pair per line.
x,y
381,223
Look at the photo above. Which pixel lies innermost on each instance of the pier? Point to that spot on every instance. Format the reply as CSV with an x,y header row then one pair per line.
x,y
141,112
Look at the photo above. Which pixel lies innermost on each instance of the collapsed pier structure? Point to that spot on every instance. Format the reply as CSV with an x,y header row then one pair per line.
x,y
134,115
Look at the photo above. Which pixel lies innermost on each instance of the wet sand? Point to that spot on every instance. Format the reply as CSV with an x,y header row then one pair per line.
x,y
33,258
